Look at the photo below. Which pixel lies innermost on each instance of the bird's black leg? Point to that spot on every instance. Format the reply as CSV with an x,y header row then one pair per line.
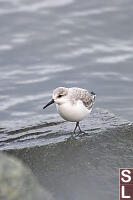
x,y
80,129
77,124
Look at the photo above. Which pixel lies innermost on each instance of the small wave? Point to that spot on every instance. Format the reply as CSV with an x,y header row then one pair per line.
x,y
25,6
114,59
5,47
98,11
17,100
110,75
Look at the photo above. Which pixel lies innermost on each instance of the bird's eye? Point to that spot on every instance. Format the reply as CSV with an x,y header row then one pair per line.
x,y
60,96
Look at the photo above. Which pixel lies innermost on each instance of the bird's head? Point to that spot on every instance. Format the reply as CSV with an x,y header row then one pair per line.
x,y
59,96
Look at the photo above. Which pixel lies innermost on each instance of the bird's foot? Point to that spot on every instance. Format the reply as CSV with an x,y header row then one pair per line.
x,y
81,133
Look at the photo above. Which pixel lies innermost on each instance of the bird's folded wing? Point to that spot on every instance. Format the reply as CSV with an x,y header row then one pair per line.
x,y
87,100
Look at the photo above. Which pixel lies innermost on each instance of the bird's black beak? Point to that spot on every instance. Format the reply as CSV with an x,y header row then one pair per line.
x,y
49,103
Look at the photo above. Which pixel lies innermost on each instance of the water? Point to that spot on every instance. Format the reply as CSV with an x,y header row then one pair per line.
x,y
66,43
46,44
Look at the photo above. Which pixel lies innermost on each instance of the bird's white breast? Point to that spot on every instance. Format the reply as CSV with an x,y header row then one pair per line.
x,y
73,112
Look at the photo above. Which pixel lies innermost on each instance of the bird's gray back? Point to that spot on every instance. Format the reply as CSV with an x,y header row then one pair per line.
x,y
83,95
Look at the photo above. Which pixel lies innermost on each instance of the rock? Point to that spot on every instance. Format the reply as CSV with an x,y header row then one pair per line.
x,y
17,181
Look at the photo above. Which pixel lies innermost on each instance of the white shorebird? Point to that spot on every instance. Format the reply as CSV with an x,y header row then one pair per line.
x,y
73,104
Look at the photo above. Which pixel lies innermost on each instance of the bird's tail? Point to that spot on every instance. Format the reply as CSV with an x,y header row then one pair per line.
x,y
93,94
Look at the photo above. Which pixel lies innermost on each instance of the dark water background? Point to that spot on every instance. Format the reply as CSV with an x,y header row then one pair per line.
x,y
45,44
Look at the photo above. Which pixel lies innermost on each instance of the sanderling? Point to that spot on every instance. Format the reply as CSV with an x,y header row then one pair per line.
x,y
73,104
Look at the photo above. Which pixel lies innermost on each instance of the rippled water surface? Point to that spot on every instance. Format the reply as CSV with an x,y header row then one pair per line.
x,y
46,44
